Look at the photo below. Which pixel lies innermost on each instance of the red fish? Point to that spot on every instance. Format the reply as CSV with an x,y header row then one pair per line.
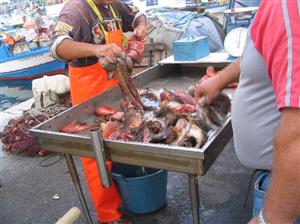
x,y
135,50
75,128
105,111
185,108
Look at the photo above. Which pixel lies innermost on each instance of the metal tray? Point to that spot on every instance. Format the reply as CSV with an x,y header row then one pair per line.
x,y
180,159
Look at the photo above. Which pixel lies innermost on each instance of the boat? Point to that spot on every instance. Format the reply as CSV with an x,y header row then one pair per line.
x,y
26,60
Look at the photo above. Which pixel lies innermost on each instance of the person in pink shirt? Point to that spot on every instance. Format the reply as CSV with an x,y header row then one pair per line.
x,y
265,109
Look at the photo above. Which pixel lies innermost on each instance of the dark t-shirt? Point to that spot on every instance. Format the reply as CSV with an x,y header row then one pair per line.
x,y
78,20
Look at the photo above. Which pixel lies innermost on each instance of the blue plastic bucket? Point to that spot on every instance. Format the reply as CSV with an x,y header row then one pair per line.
x,y
142,191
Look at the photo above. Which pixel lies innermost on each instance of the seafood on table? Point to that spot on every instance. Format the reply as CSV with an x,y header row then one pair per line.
x,y
135,50
122,70
123,76
155,115
167,117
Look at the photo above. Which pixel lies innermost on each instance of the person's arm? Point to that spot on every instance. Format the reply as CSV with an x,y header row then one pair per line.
x,y
213,86
140,20
136,22
67,34
282,203
140,28
69,49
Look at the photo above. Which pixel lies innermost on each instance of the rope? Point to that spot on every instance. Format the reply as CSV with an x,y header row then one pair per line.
x,y
44,164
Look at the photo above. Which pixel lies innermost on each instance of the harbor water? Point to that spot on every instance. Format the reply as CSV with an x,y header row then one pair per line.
x,y
14,92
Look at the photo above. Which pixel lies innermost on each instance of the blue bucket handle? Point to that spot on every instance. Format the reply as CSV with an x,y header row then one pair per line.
x,y
119,177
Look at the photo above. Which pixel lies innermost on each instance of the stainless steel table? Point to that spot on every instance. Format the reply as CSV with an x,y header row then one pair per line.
x,y
193,162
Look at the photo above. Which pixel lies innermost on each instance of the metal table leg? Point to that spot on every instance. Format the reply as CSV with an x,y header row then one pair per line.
x,y
194,195
76,182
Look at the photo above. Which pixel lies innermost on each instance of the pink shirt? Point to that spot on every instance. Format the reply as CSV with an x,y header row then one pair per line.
x,y
270,80
276,35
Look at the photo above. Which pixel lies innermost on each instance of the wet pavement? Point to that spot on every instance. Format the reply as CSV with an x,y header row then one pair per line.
x,y
27,190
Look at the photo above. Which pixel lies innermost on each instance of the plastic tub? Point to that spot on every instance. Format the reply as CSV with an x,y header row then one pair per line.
x,y
143,191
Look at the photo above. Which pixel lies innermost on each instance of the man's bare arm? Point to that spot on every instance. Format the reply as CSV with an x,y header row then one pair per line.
x,y
282,204
140,28
230,74
140,21
69,49
212,87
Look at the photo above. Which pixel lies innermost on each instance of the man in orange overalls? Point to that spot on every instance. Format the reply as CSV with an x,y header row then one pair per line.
x,y
87,30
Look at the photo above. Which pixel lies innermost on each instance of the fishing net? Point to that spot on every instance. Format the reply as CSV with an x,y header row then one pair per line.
x,y
16,137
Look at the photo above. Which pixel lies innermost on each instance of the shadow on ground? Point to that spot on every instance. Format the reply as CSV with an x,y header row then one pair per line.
x,y
26,194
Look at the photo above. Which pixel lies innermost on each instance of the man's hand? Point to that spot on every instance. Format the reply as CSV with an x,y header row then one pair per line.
x,y
209,88
213,86
110,51
140,33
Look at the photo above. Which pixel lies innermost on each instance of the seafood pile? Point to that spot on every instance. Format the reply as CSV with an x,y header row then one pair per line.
x,y
167,117
155,115
16,138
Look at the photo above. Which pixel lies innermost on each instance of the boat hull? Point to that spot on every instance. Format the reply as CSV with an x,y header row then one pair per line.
x,y
30,67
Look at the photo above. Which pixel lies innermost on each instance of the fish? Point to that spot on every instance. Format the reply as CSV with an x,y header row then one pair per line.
x,y
170,105
75,128
123,77
188,133
119,116
221,104
150,98
186,98
114,131
155,124
212,116
203,120
184,109
105,111
198,134
180,121
182,127
121,71
135,50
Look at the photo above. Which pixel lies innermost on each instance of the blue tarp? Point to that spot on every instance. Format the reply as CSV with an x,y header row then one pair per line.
x,y
188,24
204,26
171,19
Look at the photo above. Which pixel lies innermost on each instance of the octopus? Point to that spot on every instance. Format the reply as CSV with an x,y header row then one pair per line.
x,y
123,76
122,70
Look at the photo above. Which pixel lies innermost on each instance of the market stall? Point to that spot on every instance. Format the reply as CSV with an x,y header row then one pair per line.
x,y
194,162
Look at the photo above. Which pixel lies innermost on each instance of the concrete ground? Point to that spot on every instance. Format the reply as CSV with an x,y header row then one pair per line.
x,y
27,190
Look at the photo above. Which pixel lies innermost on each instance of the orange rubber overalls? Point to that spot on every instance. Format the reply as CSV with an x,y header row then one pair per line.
x,y
85,83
